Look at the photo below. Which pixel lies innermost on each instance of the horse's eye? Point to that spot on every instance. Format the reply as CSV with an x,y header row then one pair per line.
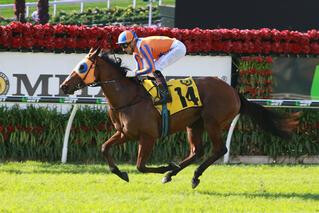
x,y
83,68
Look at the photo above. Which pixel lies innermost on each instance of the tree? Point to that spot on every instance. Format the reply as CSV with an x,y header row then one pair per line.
x,y
43,11
19,10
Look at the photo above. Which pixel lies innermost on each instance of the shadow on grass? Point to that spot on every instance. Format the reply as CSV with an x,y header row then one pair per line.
x,y
268,195
68,169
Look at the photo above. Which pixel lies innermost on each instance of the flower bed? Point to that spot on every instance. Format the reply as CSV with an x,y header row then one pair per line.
x,y
40,136
72,38
255,77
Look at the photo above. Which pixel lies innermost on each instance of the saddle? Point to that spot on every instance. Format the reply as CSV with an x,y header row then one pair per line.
x,y
184,95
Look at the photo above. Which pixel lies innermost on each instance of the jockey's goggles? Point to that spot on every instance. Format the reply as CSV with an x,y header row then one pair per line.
x,y
125,45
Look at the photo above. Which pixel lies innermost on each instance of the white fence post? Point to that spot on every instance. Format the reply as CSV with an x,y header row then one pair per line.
x,y
229,136
55,3
150,13
54,8
82,7
134,4
67,134
27,11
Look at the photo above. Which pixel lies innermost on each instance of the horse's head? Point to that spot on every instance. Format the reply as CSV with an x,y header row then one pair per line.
x,y
83,74
88,72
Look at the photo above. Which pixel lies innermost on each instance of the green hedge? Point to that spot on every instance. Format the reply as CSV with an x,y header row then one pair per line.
x,y
107,17
35,133
126,16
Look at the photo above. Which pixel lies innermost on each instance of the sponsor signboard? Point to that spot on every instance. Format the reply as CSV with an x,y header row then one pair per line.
x,y
4,84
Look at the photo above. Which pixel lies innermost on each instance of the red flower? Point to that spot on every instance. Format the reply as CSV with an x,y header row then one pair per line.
x,y
268,59
16,27
313,34
28,42
73,30
85,128
10,129
314,48
60,29
16,42
48,29
81,43
49,43
37,129
263,41
59,43
96,32
266,47
92,43
259,59
70,43
105,44
101,127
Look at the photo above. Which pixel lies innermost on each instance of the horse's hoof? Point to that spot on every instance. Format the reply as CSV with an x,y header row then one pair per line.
x,y
124,176
166,179
195,182
174,166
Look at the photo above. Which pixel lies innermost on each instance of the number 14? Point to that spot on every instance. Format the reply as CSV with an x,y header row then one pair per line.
x,y
190,96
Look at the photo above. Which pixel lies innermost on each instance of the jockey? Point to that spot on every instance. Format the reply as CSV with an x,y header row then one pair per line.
x,y
157,52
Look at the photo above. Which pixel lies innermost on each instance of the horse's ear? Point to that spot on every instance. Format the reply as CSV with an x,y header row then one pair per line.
x,y
94,52
91,50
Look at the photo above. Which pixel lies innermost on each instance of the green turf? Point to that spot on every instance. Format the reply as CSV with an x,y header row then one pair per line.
x,y
8,13
45,187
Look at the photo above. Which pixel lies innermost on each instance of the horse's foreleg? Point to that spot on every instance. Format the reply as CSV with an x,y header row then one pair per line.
x,y
194,136
117,138
146,144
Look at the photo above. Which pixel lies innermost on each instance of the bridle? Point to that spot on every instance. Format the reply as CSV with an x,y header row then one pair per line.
x,y
98,83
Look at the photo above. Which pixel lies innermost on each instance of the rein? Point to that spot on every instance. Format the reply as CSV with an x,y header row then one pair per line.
x,y
100,83
127,105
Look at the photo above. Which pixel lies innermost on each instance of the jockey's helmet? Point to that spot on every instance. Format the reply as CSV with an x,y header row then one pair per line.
x,y
126,37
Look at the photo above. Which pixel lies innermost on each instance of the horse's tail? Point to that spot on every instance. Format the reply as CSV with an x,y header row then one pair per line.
x,y
273,122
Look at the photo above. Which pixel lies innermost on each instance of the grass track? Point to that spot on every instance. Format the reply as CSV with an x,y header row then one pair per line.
x,y
44,187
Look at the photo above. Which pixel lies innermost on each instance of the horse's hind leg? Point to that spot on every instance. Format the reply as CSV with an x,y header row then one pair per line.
x,y
219,149
194,136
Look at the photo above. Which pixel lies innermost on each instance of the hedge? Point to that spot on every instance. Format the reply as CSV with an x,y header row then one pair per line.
x,y
36,133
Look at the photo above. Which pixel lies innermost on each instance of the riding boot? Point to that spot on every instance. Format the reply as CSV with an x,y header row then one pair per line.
x,y
165,97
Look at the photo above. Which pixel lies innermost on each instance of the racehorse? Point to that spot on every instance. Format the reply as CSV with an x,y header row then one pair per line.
x,y
134,116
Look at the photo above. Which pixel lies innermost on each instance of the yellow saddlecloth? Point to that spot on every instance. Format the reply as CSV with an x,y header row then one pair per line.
x,y
184,94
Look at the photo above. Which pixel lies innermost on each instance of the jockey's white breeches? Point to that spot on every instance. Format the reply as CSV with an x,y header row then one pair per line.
x,y
177,51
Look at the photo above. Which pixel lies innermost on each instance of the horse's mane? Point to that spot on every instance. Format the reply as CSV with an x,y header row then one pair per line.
x,y
115,62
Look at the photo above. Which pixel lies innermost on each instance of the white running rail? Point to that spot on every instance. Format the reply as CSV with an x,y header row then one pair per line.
x,y
61,2
55,3
81,2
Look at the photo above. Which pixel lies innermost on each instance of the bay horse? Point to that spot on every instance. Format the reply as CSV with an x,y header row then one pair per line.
x,y
134,116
